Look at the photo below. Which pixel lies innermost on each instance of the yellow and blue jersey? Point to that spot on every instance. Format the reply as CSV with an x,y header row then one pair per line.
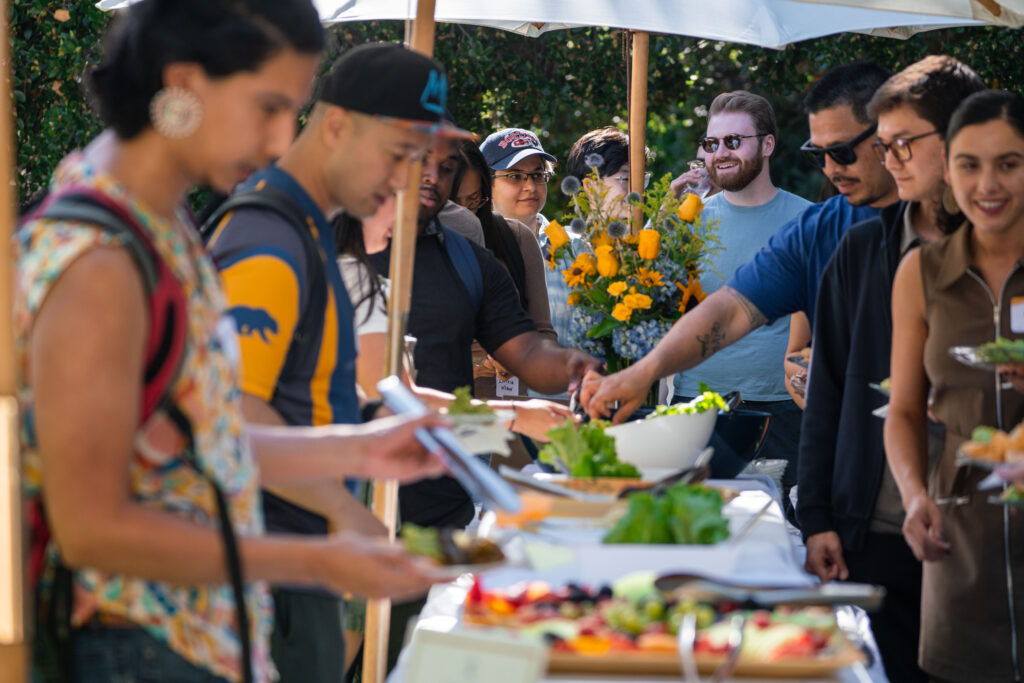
x,y
267,281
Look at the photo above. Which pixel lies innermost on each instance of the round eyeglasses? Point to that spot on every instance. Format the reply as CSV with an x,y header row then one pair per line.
x,y
900,147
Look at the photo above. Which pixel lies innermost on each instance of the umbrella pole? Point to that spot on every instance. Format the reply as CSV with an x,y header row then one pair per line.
x,y
403,249
638,122
13,649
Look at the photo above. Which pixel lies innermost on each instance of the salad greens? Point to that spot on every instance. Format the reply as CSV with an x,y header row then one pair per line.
x,y
586,450
463,404
983,434
706,401
686,514
1002,350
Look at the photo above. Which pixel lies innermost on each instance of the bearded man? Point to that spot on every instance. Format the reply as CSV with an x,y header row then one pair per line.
x,y
738,146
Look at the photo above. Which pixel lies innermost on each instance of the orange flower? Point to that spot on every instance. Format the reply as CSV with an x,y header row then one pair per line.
x,y
574,298
574,276
649,278
692,290
607,263
649,245
616,288
601,239
587,263
622,312
557,235
634,301
690,209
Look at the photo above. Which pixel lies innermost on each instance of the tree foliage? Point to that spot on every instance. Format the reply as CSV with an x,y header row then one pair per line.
x,y
559,85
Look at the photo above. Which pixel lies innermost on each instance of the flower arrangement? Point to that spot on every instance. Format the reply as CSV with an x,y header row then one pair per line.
x,y
626,290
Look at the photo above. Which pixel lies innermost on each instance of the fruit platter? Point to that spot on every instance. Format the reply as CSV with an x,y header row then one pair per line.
x,y
632,628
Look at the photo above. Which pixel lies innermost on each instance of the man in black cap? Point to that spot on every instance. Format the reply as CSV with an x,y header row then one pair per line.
x,y
378,110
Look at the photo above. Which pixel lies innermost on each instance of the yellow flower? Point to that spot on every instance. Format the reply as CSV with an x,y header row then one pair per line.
x,y
574,298
649,245
649,278
607,263
631,239
641,301
557,235
692,290
601,239
622,312
617,288
574,276
690,208
586,263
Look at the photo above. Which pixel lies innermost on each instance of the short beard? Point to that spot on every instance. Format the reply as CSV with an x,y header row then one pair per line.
x,y
749,169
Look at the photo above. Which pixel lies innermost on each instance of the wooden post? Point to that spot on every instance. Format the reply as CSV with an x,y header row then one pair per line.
x,y
13,649
403,250
638,122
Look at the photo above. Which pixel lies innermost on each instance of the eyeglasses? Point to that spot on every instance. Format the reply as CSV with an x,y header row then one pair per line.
x,y
696,164
843,153
623,180
731,141
519,177
473,201
900,147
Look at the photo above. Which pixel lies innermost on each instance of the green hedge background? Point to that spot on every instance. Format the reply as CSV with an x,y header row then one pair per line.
x,y
559,85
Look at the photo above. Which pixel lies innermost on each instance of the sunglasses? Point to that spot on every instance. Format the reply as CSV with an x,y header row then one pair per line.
x,y
732,141
518,177
623,180
843,153
900,147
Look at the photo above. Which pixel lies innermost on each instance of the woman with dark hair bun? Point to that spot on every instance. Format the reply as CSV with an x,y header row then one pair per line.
x,y
964,290
133,583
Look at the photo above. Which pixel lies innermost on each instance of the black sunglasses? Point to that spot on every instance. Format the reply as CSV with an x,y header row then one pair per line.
x,y
843,153
731,141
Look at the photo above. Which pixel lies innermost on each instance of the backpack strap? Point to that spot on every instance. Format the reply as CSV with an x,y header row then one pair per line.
x,y
310,324
466,265
165,344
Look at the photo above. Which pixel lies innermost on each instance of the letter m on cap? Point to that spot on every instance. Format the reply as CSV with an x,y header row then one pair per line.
x,y
435,94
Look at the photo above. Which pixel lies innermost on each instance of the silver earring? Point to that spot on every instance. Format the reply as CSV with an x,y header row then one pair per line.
x,y
949,204
175,113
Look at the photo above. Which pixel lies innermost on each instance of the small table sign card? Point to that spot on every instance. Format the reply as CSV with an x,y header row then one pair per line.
x,y
466,656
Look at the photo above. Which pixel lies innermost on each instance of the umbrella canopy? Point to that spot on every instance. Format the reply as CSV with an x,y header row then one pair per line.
x,y
767,23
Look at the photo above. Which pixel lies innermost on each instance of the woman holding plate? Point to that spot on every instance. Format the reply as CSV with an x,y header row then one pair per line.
x,y
963,290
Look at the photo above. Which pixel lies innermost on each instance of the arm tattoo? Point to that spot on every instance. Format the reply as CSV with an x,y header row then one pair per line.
x,y
713,341
754,314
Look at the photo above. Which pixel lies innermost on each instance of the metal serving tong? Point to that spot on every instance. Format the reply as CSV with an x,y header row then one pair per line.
x,y
697,472
478,479
701,589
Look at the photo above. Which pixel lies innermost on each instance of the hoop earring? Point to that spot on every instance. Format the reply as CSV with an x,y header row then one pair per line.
x,y
175,113
949,204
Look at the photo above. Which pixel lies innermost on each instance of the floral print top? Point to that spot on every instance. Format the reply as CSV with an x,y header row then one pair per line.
x,y
198,622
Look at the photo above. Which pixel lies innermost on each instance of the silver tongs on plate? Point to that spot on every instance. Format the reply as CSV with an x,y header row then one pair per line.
x,y
479,480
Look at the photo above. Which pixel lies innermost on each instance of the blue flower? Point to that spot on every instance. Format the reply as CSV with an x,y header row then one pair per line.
x,y
633,343
570,185
580,322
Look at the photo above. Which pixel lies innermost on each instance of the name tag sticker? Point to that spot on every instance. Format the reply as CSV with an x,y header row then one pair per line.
x,y
1017,314
506,387
462,656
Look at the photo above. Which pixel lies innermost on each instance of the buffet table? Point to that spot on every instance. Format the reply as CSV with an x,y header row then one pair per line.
x,y
761,550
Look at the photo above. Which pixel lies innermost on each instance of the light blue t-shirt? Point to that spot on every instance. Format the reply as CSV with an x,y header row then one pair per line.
x,y
752,365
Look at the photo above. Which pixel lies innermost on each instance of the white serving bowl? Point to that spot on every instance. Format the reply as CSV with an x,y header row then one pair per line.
x,y
667,443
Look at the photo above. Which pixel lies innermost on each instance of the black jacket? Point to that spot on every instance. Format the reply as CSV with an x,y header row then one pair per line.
x,y
842,456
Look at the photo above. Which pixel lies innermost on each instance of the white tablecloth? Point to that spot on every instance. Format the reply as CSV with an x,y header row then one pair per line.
x,y
767,555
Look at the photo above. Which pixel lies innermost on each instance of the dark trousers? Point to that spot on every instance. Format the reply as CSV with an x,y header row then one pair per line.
x,y
128,655
307,643
886,560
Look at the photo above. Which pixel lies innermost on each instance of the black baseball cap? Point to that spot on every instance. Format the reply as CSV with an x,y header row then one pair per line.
x,y
390,81
509,146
